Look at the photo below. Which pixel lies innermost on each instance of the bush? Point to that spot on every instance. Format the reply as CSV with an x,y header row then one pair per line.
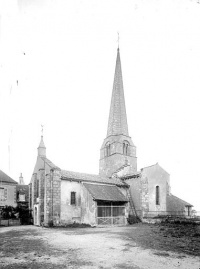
x,y
133,219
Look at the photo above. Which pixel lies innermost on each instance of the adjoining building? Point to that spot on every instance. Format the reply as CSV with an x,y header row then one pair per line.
x,y
59,197
22,192
7,190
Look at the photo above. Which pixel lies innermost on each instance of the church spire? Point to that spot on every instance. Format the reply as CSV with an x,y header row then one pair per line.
x,y
117,150
42,148
117,123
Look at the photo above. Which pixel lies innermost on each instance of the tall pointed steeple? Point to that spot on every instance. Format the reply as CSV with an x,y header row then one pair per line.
x,y
117,123
42,148
118,149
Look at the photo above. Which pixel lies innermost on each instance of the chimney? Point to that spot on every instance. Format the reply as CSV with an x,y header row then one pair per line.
x,y
21,180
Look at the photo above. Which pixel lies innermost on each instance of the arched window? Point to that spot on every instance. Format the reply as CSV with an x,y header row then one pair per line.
x,y
157,195
126,148
107,149
73,198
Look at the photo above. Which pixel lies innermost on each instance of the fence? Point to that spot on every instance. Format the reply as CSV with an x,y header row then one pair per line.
x,y
111,220
154,214
111,215
10,222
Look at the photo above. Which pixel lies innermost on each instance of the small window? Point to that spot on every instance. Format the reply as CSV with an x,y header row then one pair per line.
x,y
126,148
21,197
3,194
157,195
73,198
107,149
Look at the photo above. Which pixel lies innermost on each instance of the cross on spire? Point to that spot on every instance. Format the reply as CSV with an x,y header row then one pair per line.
x,y
42,129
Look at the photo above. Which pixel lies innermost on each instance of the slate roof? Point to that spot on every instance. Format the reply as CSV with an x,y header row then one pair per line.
x,y
47,161
174,198
153,165
117,123
6,179
42,145
105,192
90,177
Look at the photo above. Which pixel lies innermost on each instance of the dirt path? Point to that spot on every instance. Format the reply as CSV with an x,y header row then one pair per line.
x,y
118,247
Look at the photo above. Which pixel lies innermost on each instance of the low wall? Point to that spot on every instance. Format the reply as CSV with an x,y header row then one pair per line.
x,y
10,222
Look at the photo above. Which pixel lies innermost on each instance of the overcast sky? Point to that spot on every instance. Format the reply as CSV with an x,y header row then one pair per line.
x,y
57,61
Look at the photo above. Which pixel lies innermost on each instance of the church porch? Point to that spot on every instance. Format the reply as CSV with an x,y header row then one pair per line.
x,y
111,213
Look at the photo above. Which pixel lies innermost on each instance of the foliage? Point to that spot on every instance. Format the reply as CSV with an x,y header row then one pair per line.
x,y
21,211
133,219
8,212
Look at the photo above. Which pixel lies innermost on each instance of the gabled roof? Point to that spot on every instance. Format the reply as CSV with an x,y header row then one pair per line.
x,y
175,198
90,177
49,163
6,179
154,165
105,192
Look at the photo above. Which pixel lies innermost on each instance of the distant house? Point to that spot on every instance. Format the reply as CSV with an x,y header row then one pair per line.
x,y
22,192
12,193
7,190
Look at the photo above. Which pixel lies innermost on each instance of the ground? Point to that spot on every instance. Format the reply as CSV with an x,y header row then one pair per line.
x,y
138,246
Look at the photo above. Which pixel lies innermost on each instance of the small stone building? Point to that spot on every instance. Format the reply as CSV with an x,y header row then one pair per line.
x,y
7,190
59,197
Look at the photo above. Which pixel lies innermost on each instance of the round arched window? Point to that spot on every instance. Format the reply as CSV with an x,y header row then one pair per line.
x,y
126,148
107,149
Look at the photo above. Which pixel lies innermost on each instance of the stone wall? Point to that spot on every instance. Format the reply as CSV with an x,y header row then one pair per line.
x,y
11,195
83,211
156,176
41,177
116,159
135,191
144,196
52,201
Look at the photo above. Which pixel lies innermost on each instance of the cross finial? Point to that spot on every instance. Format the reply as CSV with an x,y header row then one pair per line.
x,y
42,129
118,39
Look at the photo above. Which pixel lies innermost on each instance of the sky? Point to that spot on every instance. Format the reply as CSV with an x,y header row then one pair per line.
x,y
57,61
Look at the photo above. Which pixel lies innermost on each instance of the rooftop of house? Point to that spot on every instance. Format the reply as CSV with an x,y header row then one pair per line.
x,y
4,178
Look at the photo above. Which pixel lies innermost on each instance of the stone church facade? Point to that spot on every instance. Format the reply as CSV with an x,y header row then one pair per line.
x,y
61,197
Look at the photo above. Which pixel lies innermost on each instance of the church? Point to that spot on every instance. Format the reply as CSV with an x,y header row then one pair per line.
x,y
118,193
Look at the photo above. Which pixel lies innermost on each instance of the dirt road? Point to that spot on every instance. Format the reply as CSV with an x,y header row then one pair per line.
x,y
136,247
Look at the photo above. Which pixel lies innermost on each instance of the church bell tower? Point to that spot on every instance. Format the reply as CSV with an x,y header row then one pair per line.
x,y
118,149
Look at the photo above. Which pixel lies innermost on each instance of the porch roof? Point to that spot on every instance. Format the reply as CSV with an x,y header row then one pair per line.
x,y
105,192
